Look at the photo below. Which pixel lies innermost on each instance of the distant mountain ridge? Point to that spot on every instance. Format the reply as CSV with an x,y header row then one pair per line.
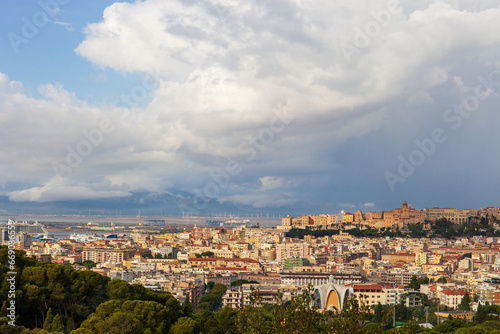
x,y
180,203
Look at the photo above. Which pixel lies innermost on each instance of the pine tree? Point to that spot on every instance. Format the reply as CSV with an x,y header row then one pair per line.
x,y
70,325
47,325
57,325
465,304
187,307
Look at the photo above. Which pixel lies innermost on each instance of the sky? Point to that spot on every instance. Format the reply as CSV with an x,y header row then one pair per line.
x,y
307,107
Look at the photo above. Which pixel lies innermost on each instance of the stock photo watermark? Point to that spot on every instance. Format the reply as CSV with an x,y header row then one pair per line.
x,y
11,274
453,117
364,36
95,137
31,26
248,150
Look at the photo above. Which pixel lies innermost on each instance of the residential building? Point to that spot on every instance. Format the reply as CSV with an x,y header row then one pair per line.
x,y
452,298
295,261
288,249
373,294
107,255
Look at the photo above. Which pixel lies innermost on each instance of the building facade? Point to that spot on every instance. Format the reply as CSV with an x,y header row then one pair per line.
x,y
107,255
317,278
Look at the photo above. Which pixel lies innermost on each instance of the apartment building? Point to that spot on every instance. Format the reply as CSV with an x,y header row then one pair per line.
x,y
233,298
237,297
399,277
295,262
373,294
213,263
107,255
452,298
392,258
288,249
201,233
217,278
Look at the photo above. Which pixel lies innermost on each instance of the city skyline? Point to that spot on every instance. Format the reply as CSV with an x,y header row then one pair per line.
x,y
271,107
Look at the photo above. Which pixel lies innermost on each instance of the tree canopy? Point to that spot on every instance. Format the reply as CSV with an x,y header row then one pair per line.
x,y
59,299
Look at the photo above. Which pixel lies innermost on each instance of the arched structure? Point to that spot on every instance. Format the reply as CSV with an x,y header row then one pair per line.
x,y
332,296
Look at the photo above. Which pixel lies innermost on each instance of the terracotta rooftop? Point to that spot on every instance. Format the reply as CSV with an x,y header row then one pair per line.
x,y
367,287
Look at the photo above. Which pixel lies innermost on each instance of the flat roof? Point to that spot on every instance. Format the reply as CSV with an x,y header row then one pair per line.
x,y
455,312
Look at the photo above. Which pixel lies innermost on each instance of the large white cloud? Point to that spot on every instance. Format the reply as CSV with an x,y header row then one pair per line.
x,y
227,72
229,66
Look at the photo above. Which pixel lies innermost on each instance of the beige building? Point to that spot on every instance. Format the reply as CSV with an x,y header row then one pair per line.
x,y
107,255
288,249
403,216
373,294
392,258
214,263
289,222
421,258
454,215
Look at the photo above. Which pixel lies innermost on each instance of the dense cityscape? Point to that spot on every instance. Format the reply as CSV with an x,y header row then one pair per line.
x,y
442,260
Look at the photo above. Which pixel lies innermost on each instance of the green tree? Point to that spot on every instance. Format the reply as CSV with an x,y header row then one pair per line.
x,y
251,318
240,282
5,328
187,307
89,264
353,317
184,325
215,296
70,325
74,294
300,315
414,283
57,325
119,322
208,324
442,279
226,319
202,307
120,290
210,285
131,316
207,254
487,312
465,304
380,313
410,327
450,326
422,280
416,231
47,325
